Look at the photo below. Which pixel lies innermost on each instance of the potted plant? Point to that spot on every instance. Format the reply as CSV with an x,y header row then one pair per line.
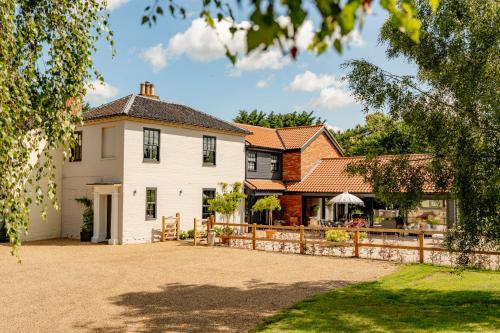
x,y
88,219
269,203
225,231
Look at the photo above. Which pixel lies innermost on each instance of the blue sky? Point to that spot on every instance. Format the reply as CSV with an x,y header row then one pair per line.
x,y
184,61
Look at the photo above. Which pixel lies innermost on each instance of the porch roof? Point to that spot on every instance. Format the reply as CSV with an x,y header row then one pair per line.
x,y
265,185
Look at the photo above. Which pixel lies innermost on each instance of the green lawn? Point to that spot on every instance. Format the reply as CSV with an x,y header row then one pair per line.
x,y
419,298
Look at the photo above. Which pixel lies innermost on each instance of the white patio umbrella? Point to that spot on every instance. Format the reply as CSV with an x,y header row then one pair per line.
x,y
347,198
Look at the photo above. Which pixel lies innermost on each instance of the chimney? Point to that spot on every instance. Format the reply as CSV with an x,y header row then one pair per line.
x,y
147,89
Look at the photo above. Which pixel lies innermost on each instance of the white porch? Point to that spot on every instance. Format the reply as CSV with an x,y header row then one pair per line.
x,y
106,219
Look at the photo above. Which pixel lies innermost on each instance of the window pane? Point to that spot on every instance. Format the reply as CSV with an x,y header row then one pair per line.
x,y
209,150
207,195
76,150
252,161
151,144
150,203
274,163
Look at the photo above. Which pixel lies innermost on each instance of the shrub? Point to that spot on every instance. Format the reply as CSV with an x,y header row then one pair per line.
x,y
337,236
363,235
219,231
88,214
184,235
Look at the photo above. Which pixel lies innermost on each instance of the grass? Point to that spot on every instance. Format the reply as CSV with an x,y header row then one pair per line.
x,y
419,298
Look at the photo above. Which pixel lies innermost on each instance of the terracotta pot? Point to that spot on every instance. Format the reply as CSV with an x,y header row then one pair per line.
x,y
224,240
270,233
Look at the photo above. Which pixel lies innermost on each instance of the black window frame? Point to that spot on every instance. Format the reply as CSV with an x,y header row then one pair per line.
x,y
275,163
254,162
205,149
76,150
149,145
205,213
154,203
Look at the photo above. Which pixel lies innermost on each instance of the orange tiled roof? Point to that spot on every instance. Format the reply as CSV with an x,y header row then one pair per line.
x,y
265,184
330,176
297,137
262,137
280,138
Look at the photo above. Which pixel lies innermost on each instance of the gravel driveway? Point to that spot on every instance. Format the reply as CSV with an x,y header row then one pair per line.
x,y
64,286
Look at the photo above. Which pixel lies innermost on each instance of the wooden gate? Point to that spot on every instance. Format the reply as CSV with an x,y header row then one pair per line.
x,y
170,228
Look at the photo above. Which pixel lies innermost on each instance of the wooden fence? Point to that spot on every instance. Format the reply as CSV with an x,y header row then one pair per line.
x,y
356,243
170,230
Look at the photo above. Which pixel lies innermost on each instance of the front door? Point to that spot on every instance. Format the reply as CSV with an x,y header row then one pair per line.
x,y
108,216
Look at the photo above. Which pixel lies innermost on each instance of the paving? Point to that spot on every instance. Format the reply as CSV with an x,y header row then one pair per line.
x,y
68,286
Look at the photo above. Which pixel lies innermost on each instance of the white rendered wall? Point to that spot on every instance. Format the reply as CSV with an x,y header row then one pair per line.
x,y
93,168
179,176
51,226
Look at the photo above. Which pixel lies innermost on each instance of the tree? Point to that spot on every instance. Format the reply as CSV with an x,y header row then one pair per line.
x,y
397,181
269,203
278,120
453,104
271,24
227,202
381,135
45,62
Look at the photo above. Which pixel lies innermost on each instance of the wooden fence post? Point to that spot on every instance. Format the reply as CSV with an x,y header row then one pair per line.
x,y
254,236
421,246
163,228
302,240
195,232
211,222
178,226
356,244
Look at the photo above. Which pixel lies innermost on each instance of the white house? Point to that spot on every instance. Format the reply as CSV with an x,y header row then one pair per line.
x,y
140,158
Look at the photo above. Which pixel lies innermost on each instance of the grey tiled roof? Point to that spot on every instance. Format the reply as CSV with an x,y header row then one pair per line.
x,y
137,106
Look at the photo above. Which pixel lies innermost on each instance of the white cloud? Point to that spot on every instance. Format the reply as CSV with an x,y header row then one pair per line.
x,y
264,83
156,56
203,43
309,81
354,39
114,4
334,128
257,60
100,92
333,97
333,91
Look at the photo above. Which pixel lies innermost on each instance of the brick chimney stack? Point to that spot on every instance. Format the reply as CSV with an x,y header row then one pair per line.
x,y
147,89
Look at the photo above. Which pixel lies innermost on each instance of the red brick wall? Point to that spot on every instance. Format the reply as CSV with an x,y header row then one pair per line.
x,y
292,204
320,148
291,166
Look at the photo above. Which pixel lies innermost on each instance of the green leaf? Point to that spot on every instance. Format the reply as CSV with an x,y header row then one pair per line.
x,y
337,44
434,5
